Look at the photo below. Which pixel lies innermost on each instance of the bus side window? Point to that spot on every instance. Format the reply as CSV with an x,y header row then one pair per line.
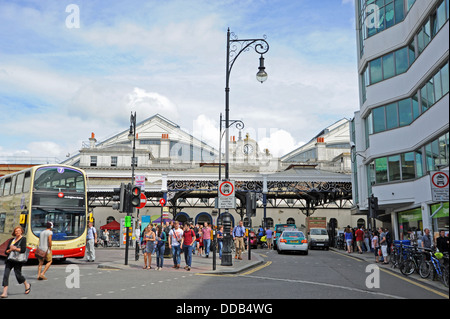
x,y
2,222
19,183
7,186
2,184
27,182
13,184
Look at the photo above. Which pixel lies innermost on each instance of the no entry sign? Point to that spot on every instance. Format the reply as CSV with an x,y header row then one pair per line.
x,y
226,195
439,186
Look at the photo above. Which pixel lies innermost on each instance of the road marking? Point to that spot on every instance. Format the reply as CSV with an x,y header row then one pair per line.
x,y
401,277
327,285
415,283
256,269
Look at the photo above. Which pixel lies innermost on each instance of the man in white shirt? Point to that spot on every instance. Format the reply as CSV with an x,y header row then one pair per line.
x,y
45,244
175,243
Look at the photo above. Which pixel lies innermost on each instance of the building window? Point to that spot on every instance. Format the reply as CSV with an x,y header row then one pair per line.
x,y
290,221
269,222
93,160
113,161
409,221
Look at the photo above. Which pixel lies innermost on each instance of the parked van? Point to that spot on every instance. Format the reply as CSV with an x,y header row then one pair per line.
x,y
318,237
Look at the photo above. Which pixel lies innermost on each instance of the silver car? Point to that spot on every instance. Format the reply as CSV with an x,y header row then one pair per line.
x,y
292,240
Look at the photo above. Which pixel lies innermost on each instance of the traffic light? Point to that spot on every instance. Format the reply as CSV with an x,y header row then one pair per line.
x,y
127,223
136,196
373,206
119,198
250,204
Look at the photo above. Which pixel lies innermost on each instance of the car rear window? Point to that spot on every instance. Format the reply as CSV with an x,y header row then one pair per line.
x,y
293,234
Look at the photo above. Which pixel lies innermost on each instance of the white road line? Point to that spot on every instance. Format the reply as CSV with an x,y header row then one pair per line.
x,y
326,285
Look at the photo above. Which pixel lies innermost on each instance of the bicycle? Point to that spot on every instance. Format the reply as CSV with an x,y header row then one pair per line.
x,y
413,261
434,266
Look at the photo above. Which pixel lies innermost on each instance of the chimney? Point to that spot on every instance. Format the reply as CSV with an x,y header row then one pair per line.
x,y
92,140
164,151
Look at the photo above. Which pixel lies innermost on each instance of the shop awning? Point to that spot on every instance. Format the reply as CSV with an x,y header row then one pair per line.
x,y
111,226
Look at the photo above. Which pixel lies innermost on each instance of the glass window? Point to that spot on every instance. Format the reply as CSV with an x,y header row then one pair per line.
x,y
379,120
412,52
19,184
382,22
27,182
408,171
429,157
427,33
423,95
420,42
93,160
114,161
430,92
381,170
405,112
441,16
388,66
394,168
399,13
391,116
443,155
437,86
375,71
390,21
401,60
419,165
410,4
415,105
444,79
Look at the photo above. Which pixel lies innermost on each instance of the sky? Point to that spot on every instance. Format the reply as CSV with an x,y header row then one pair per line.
x,y
69,68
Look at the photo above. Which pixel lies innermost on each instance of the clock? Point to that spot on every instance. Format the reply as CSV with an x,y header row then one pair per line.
x,y
248,149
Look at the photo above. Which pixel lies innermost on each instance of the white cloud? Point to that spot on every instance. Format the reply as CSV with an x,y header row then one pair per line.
x,y
279,143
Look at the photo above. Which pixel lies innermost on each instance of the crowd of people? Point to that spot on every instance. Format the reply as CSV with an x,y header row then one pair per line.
x,y
379,241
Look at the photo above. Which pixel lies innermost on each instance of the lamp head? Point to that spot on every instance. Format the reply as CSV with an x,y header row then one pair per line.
x,y
261,76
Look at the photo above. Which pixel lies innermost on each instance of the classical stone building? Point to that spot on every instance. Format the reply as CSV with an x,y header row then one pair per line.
x,y
185,171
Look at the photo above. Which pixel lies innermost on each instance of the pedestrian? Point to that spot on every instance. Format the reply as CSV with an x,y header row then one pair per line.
x,y
426,239
45,244
161,239
348,239
106,237
388,240
367,240
375,245
149,241
442,242
16,244
269,237
359,234
175,240
200,241
238,237
91,240
220,240
206,231
383,245
188,244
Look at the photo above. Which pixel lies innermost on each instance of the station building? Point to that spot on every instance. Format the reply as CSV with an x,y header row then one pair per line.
x,y
312,181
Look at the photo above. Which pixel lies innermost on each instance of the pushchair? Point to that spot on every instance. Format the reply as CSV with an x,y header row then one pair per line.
x,y
263,241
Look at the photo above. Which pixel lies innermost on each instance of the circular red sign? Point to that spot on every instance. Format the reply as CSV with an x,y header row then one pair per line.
x,y
60,194
143,201
226,185
440,179
162,201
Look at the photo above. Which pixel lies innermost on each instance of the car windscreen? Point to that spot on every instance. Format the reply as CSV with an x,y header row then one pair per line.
x,y
318,231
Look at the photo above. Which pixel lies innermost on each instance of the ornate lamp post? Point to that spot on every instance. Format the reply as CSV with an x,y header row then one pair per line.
x,y
234,48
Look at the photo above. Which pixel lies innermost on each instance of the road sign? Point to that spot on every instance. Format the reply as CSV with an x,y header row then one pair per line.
x,y
162,201
226,195
143,201
439,186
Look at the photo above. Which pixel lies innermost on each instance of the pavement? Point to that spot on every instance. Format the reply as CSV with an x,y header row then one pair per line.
x,y
369,257
200,264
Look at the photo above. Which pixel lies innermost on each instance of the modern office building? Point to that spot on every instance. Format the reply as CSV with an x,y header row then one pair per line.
x,y
400,134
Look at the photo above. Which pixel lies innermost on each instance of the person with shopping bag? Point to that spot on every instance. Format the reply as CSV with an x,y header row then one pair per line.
x,y
17,253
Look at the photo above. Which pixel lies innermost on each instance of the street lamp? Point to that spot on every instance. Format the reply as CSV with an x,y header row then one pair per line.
x,y
131,137
234,48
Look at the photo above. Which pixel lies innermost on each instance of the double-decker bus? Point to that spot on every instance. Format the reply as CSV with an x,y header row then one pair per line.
x,y
41,194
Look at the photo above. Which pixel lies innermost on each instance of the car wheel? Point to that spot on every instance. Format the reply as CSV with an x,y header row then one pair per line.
x,y
279,251
306,252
